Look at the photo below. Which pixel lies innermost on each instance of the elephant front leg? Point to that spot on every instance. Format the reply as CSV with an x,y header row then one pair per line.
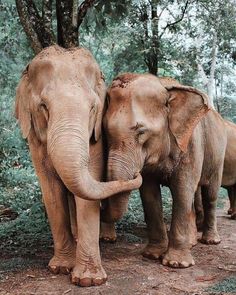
x,y
55,200
178,254
152,205
88,270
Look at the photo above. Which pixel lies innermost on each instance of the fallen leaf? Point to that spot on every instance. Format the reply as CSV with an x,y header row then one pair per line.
x,y
168,269
205,278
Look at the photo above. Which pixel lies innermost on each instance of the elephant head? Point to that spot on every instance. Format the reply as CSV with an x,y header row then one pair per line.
x,y
59,104
145,119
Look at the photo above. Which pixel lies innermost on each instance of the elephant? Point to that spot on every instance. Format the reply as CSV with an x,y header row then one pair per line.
x,y
168,132
59,107
228,177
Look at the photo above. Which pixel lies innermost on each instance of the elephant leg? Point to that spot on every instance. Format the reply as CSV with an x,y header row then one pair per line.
x,y
232,200
199,209
108,232
152,204
230,195
72,209
209,200
88,270
55,200
181,231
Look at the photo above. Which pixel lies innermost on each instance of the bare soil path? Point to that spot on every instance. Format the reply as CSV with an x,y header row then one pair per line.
x,y
129,273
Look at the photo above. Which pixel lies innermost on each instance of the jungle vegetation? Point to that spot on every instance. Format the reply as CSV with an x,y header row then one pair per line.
x,y
192,41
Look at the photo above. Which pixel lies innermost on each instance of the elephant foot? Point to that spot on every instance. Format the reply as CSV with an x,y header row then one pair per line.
x,y
178,258
230,211
154,251
88,275
233,215
210,237
61,264
108,232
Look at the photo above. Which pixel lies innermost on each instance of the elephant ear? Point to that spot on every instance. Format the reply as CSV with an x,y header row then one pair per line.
x,y
22,111
100,106
187,106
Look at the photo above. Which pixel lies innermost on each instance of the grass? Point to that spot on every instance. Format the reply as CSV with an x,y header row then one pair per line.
x,y
227,285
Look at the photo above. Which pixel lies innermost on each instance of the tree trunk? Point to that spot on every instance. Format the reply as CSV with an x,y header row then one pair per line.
x,y
67,29
208,81
154,54
39,29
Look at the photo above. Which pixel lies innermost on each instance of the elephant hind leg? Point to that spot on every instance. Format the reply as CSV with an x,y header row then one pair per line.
x,y
107,232
73,219
199,209
232,200
209,199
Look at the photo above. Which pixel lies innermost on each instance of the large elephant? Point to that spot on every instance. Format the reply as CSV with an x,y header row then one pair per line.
x,y
59,106
172,136
228,178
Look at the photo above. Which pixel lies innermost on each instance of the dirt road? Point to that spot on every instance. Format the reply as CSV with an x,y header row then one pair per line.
x,y
129,273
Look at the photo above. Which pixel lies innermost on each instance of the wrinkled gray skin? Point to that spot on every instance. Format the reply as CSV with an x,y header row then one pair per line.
x,y
169,134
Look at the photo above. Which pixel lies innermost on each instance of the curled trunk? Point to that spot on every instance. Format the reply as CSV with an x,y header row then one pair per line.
x,y
68,147
118,168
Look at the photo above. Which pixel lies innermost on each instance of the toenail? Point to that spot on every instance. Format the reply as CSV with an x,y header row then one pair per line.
x,y
99,281
85,282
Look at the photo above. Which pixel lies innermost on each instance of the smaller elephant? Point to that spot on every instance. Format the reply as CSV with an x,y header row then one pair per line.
x,y
168,132
228,178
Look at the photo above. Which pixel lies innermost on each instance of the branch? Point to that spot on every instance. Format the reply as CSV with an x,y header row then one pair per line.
x,y
82,10
164,8
213,56
202,73
177,21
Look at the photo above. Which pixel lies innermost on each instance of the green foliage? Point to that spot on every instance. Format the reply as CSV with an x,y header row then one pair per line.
x,y
19,187
227,285
113,31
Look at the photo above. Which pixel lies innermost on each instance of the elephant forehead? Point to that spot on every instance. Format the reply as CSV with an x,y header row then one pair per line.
x,y
143,88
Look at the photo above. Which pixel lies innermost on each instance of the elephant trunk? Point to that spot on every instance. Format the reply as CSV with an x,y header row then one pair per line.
x,y
68,147
119,167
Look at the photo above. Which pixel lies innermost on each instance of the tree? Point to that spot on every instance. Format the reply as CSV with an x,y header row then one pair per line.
x,y
212,31
151,20
38,17
39,29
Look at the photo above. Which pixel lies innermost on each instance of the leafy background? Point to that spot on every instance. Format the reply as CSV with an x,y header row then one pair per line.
x,y
113,36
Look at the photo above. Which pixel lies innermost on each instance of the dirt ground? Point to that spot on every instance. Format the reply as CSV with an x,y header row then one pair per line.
x,y
129,273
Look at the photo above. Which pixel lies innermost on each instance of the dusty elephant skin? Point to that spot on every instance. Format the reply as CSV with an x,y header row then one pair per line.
x,y
228,178
167,131
59,106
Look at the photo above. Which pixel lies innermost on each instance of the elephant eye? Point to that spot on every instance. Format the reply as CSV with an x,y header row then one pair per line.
x,y
43,106
142,130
